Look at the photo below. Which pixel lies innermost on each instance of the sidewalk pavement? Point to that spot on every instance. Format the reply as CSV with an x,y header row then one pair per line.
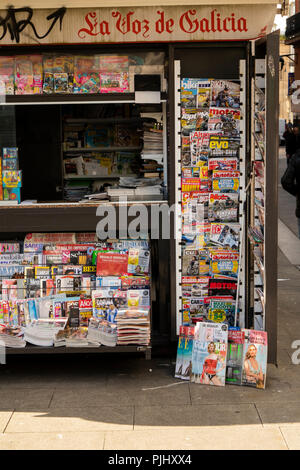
x,y
116,402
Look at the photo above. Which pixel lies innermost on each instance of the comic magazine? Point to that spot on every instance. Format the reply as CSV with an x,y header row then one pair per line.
x,y
60,82
222,311
236,340
223,207
224,264
189,91
23,75
6,75
225,94
226,181
114,82
225,121
113,63
225,235
209,353
223,146
1,189
187,353
255,358
86,75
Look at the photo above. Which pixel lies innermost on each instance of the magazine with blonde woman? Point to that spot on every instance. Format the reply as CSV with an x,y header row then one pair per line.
x,y
255,359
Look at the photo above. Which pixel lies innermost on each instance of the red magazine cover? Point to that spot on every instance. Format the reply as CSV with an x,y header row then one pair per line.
x,y
112,263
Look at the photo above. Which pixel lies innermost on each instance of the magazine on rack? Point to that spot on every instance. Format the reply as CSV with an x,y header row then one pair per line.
x,y
222,311
226,121
195,286
224,146
225,235
255,358
209,354
199,147
195,309
225,93
236,340
189,92
224,264
222,287
223,207
194,210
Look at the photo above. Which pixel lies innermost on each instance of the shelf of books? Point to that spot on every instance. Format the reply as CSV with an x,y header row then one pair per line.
x,y
214,345
70,292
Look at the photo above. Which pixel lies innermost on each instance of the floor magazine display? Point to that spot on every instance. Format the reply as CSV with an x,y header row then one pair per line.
x,y
70,289
213,347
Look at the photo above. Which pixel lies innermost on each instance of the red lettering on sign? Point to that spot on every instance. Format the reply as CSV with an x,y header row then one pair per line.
x,y
162,25
186,23
94,28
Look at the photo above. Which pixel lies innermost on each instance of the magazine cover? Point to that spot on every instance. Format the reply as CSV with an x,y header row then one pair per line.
x,y
114,82
226,181
190,262
188,120
223,207
111,263
195,309
209,354
193,286
222,311
86,75
194,210
222,288
185,151
9,247
23,75
224,146
6,75
187,353
225,94
225,235
236,340
189,91
225,121
113,63
223,164
199,147
138,261
180,348
255,358
224,264
203,94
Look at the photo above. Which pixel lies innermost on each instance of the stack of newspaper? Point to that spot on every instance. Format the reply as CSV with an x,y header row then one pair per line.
x,y
153,144
133,325
11,337
102,332
42,332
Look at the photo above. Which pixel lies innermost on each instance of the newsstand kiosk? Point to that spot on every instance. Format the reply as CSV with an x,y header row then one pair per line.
x,y
225,43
